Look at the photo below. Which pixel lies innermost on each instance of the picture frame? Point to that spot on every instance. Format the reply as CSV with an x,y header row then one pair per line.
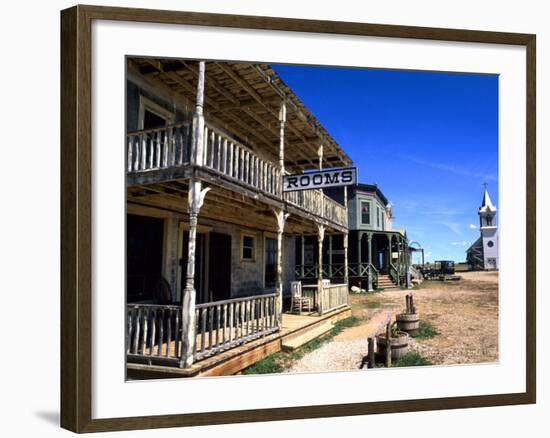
x,y
76,217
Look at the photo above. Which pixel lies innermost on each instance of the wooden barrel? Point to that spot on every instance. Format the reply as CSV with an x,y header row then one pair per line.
x,y
408,322
399,345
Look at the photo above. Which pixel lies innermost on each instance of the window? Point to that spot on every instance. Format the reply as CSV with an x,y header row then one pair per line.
x,y
365,213
152,115
248,247
270,268
378,217
490,244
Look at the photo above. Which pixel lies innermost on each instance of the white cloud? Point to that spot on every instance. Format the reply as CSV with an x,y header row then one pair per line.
x,y
463,243
473,227
453,226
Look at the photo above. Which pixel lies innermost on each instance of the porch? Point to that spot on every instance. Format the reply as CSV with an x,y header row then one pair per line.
x,y
295,331
154,332
375,258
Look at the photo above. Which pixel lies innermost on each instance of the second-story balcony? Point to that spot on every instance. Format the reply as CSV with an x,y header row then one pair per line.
x,y
164,154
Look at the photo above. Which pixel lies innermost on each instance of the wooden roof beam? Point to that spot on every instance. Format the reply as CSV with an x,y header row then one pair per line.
x,y
259,99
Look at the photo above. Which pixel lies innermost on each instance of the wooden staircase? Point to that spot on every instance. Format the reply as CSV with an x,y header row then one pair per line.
x,y
303,336
385,283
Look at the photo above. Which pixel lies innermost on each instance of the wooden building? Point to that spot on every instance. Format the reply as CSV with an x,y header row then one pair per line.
x,y
210,233
378,255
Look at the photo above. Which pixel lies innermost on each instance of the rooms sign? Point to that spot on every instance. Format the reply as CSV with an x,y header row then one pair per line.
x,y
320,179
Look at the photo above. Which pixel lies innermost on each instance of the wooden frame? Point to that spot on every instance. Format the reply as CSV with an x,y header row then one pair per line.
x,y
273,236
146,104
76,169
254,238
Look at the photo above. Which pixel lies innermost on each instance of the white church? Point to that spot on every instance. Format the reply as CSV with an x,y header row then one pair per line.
x,y
483,254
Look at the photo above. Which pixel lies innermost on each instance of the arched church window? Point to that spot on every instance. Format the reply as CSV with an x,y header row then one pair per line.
x,y
490,244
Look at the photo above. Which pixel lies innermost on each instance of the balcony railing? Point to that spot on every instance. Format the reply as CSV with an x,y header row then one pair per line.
x,y
161,148
170,147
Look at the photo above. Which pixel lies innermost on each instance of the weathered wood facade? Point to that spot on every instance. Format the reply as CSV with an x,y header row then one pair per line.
x,y
207,145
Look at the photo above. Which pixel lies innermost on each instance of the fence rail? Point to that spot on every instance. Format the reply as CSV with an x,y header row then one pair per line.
x,y
333,296
154,332
226,324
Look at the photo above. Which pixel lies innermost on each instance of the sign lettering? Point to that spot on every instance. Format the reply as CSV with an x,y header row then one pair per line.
x,y
320,179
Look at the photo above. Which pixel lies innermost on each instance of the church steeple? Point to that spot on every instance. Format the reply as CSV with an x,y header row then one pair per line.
x,y
483,254
486,204
487,211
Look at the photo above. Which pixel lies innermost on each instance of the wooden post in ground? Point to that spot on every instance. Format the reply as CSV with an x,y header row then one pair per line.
x,y
388,345
370,354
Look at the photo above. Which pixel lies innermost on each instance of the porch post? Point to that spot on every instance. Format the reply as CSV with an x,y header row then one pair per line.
x,y
195,201
407,264
359,237
387,260
281,218
390,241
302,251
322,200
320,238
330,256
398,261
346,236
400,254
282,120
369,238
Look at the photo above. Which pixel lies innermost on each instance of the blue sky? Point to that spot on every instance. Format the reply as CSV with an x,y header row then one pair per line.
x,y
428,139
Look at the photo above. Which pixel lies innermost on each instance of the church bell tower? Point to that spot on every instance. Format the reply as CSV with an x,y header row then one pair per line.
x,y
489,232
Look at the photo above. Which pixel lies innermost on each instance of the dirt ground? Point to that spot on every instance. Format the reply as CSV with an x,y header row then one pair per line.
x,y
464,313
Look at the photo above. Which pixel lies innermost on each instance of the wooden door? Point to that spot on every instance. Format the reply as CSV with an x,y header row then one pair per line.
x,y
219,271
144,246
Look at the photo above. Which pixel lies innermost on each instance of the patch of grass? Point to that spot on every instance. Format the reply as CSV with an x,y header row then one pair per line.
x,y
268,365
372,305
277,362
411,359
425,331
425,284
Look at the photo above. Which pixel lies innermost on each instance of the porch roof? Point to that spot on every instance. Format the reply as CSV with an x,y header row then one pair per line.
x,y
244,99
